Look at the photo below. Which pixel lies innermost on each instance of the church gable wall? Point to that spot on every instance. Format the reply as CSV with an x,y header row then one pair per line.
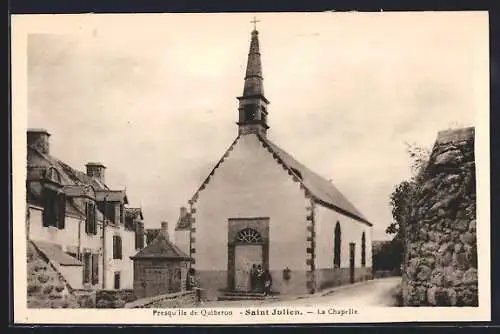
x,y
327,274
250,183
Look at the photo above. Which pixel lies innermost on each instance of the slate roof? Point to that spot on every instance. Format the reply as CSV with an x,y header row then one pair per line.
x,y
134,213
184,222
161,248
322,189
73,181
55,253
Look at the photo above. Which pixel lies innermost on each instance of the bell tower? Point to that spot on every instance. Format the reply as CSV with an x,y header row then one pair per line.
x,y
253,104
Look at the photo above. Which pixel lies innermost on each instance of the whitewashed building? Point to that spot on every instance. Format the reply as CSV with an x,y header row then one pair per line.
x,y
81,225
260,206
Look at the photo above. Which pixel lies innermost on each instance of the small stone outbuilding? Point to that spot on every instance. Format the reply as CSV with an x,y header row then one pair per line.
x,y
160,268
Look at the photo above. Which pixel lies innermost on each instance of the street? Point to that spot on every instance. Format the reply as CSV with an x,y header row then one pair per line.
x,y
377,292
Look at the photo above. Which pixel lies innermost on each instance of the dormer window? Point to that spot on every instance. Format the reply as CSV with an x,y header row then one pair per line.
x,y
53,175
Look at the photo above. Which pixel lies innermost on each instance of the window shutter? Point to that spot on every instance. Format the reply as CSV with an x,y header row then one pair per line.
x,y
93,219
136,225
95,268
87,218
47,209
141,235
120,247
62,210
86,267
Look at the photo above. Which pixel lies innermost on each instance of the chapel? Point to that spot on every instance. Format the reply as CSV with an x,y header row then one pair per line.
x,y
261,206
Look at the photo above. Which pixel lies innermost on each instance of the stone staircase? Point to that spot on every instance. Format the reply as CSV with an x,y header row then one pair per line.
x,y
237,295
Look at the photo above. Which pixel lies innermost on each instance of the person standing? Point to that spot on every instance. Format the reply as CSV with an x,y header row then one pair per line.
x,y
259,278
268,281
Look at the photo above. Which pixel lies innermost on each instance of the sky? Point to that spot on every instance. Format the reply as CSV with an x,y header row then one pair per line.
x,y
153,97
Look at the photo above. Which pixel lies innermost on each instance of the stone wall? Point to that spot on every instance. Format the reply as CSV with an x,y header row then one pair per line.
x,y
440,253
114,298
172,300
46,286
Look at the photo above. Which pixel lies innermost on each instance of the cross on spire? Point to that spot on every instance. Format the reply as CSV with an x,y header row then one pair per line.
x,y
254,21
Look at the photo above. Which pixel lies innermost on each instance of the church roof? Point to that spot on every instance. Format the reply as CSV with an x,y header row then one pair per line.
x,y
161,248
320,188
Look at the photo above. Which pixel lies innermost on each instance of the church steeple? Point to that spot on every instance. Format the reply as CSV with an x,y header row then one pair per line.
x,y
253,104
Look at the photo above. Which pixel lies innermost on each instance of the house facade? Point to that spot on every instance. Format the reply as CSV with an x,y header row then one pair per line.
x,y
77,221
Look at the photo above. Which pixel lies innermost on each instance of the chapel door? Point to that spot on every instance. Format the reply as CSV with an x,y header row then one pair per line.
x,y
245,255
352,258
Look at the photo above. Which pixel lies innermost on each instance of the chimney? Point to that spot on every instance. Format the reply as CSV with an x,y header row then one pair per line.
x,y
183,211
96,171
164,229
39,139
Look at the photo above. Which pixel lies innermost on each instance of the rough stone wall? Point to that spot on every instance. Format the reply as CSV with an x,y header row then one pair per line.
x,y
440,257
114,298
172,300
46,287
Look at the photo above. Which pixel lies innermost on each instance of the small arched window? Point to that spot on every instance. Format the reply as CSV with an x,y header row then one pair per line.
x,y
337,246
248,236
363,250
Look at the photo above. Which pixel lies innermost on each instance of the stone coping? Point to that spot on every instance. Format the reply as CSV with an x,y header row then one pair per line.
x,y
144,302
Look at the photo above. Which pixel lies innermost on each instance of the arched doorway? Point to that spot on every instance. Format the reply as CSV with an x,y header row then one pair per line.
x,y
337,246
248,251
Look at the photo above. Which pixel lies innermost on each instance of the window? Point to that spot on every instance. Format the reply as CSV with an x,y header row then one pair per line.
x,y
117,280
90,221
54,210
139,235
336,246
117,247
109,211
250,113
95,269
87,263
248,236
363,250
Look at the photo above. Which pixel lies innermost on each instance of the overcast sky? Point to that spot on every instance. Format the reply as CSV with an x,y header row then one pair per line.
x,y
154,97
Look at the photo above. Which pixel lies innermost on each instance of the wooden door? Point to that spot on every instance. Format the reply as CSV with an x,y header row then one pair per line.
x,y
244,257
352,258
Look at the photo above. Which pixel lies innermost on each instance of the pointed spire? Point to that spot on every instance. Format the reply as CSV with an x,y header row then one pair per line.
x,y
253,103
254,85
